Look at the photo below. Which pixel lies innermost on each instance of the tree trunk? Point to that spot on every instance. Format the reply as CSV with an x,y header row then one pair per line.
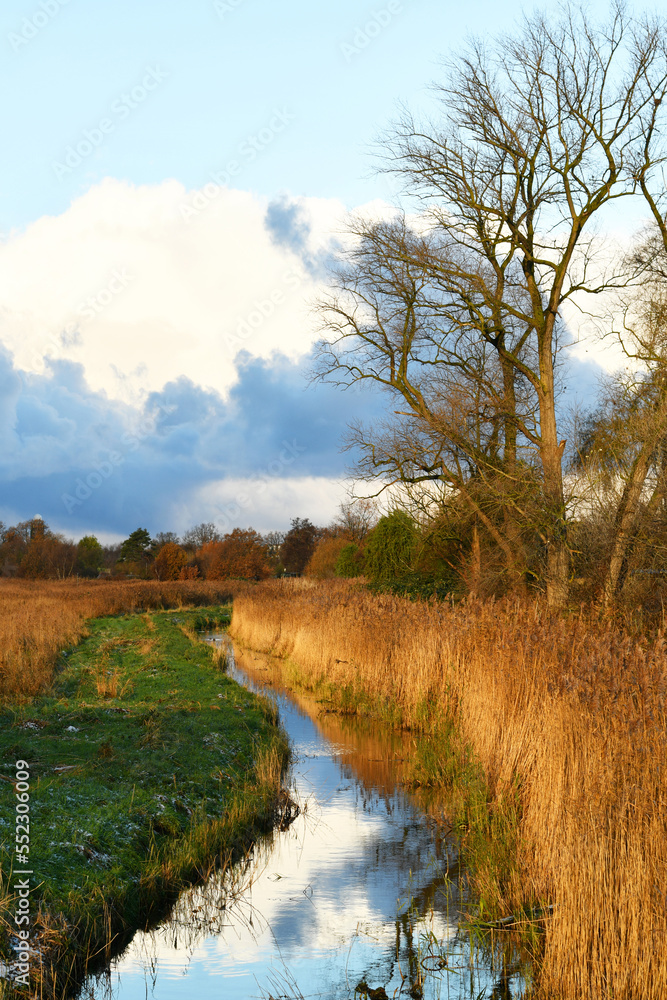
x,y
509,416
628,507
558,573
519,566
475,563
551,454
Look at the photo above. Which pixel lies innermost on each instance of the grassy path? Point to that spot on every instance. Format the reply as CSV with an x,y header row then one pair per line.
x,y
145,762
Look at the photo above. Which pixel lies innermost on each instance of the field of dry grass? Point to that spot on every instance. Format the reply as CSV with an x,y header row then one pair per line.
x,y
38,618
564,713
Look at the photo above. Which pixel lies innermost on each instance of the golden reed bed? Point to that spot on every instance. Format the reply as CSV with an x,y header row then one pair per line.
x,y
570,713
39,618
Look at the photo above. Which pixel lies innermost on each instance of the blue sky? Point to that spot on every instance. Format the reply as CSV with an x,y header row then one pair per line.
x,y
174,176
228,66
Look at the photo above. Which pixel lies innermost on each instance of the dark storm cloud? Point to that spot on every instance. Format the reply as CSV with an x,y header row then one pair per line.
x,y
88,463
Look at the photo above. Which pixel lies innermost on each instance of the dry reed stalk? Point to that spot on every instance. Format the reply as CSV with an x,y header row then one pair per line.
x,y
570,713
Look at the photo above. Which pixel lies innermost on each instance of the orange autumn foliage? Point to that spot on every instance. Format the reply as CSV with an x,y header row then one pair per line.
x,y
241,555
322,563
170,561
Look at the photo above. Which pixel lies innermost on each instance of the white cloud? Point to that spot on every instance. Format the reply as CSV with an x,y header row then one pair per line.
x,y
267,501
147,296
139,294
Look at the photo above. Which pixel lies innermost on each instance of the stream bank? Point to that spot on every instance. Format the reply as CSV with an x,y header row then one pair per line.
x,y
362,895
147,769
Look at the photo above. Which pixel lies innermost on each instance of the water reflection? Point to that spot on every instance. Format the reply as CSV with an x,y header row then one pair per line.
x,y
361,891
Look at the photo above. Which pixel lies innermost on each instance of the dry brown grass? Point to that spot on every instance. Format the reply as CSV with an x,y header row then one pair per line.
x,y
571,712
40,618
106,683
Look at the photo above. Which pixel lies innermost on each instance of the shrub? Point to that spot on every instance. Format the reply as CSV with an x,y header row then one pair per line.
x,y
391,546
350,561
324,560
170,561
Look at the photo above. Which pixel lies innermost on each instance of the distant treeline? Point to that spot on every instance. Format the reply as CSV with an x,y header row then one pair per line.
x,y
32,550
437,553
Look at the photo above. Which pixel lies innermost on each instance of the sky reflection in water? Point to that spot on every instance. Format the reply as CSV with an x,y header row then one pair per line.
x,y
362,886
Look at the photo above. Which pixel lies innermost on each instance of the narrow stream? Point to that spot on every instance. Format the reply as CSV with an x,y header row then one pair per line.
x,y
362,888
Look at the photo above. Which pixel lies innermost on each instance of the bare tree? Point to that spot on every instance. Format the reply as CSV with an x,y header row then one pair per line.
x,y
391,322
539,132
620,456
356,519
199,535
299,545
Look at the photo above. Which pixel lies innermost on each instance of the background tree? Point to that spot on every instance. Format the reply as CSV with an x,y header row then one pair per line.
x,y
622,450
357,517
199,535
391,547
347,532
163,538
457,430
350,562
14,544
170,561
30,549
299,545
647,337
273,541
135,553
89,556
111,557
46,558
240,555
322,564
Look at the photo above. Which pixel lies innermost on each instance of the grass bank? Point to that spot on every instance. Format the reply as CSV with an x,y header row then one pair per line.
x,y
565,718
147,767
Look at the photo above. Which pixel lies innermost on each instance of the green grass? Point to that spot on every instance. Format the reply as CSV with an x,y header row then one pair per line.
x,y
147,762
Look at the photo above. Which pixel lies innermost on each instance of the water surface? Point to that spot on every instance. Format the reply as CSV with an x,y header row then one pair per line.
x,y
362,888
